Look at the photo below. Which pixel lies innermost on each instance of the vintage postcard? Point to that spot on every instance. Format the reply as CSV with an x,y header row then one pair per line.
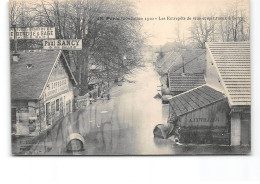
x,y
130,77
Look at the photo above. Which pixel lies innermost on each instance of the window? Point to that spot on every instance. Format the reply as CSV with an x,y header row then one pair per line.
x,y
53,108
13,115
57,104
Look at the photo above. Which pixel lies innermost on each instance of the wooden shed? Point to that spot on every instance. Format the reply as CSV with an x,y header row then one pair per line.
x,y
201,115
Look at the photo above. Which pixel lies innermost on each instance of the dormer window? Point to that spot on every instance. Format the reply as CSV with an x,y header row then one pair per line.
x,y
29,66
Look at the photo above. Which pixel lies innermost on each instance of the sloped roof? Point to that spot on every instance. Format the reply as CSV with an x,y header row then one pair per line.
x,y
194,99
190,56
232,62
163,80
28,83
168,61
185,82
162,60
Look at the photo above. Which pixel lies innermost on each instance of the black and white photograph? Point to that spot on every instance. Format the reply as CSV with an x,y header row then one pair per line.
x,y
130,77
129,91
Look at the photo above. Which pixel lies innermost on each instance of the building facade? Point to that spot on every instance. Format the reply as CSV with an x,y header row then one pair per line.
x,y
228,70
42,86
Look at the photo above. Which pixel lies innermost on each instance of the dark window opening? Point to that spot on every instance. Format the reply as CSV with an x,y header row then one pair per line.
x,y
13,115
57,105
91,87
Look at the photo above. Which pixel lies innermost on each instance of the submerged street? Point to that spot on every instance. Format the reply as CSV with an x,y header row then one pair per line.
x,y
122,125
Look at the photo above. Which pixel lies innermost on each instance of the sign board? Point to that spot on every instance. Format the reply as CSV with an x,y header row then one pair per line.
x,y
62,44
33,33
56,87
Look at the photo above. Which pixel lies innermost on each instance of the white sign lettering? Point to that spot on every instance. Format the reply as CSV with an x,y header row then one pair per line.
x,y
71,44
33,33
56,87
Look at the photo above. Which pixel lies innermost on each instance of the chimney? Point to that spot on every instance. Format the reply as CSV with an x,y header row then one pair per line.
x,y
16,57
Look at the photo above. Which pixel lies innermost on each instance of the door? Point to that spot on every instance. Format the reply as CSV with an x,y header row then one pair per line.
x,y
13,119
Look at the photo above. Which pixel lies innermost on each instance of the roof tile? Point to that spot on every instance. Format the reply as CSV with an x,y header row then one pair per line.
x,y
28,83
184,82
232,60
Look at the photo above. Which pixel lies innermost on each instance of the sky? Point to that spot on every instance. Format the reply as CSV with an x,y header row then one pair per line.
x,y
162,31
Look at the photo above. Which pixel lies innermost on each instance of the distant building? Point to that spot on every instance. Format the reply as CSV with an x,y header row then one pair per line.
x,y
190,61
179,83
167,61
218,111
42,86
184,72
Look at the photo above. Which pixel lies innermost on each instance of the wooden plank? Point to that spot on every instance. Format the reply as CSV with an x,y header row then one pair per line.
x,y
191,102
181,104
201,97
176,109
186,104
214,94
196,100
206,95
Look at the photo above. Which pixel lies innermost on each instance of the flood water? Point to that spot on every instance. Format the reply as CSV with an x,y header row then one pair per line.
x,y
122,125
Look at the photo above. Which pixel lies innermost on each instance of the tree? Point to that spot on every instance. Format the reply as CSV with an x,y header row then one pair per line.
x,y
202,31
232,25
112,45
237,26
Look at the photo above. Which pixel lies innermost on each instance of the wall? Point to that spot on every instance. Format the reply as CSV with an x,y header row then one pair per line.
x,y
208,125
246,128
212,78
25,110
214,115
58,96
